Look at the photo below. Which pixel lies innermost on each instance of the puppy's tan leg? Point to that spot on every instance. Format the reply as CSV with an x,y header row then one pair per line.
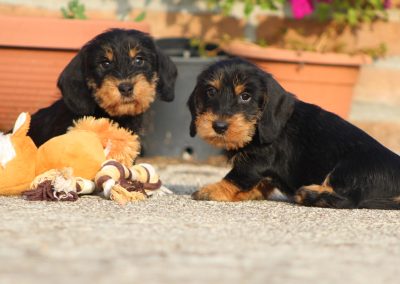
x,y
227,191
311,195
319,196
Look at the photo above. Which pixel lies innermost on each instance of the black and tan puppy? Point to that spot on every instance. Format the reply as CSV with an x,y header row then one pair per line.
x,y
116,75
278,141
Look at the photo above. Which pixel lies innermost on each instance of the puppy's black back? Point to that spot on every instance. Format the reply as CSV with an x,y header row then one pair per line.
x,y
276,140
51,121
315,144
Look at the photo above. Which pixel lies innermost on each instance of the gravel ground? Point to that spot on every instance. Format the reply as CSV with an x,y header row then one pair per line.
x,y
173,239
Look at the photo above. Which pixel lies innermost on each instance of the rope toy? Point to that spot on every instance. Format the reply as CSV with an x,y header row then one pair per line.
x,y
114,181
58,185
123,184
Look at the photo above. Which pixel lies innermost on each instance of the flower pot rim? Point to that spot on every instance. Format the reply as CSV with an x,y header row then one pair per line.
x,y
56,33
251,50
197,59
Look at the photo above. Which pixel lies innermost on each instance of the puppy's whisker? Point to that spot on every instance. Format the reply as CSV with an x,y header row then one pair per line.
x,y
226,146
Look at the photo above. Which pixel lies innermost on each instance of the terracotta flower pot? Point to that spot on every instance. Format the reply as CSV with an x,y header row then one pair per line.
x,y
324,79
34,51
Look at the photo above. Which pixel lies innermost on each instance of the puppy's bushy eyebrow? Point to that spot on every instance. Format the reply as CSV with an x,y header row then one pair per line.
x,y
239,88
133,51
108,53
239,85
215,80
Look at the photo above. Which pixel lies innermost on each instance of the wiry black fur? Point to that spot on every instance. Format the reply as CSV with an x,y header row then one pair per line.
x,y
77,99
299,144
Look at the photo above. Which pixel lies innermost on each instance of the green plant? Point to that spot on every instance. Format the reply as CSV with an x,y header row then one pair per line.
x,y
248,5
375,52
74,10
351,13
338,16
142,15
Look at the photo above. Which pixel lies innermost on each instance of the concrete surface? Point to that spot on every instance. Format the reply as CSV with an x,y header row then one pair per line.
x,y
174,239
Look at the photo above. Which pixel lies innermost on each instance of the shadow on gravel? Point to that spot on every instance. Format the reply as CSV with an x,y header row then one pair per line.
x,y
179,189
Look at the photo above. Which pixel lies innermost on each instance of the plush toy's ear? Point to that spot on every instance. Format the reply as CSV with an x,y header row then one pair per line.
x,y
278,107
167,73
194,106
21,125
73,86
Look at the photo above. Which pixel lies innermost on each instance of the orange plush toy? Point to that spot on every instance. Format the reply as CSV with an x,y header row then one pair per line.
x,y
17,158
84,148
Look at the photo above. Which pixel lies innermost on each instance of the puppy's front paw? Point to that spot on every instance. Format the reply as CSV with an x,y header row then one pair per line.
x,y
227,191
220,191
200,195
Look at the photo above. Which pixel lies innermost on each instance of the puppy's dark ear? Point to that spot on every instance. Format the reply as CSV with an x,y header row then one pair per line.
x,y
167,73
194,105
74,89
277,109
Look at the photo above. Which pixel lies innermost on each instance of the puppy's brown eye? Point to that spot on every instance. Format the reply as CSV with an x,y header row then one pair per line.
x,y
245,97
105,64
211,92
138,61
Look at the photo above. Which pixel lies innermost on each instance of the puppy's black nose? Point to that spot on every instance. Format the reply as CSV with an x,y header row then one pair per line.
x,y
220,126
125,88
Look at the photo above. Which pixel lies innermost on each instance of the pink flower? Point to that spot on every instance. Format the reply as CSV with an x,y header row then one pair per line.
x,y
301,8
